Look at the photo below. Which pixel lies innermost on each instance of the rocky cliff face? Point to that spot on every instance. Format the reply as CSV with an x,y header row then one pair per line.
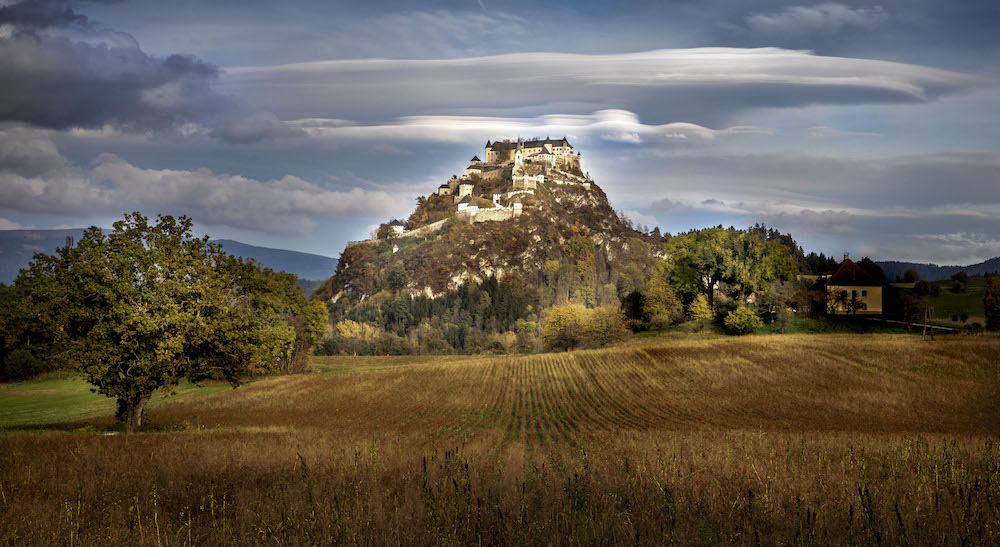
x,y
568,241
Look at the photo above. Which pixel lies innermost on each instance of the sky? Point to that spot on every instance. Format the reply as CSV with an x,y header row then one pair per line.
x,y
859,127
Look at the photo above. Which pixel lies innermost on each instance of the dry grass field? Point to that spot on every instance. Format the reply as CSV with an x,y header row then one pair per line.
x,y
769,439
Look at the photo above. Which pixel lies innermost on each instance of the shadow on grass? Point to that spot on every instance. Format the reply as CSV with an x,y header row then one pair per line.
x,y
103,427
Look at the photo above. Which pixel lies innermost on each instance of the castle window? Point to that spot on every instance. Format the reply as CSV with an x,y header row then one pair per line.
x,y
854,294
864,293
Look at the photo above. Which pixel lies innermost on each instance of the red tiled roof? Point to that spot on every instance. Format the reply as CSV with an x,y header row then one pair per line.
x,y
850,274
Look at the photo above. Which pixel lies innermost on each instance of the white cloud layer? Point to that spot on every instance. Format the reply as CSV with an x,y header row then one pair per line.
x,y
289,205
667,82
610,125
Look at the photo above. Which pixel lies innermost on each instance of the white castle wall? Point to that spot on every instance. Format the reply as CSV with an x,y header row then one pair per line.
x,y
491,215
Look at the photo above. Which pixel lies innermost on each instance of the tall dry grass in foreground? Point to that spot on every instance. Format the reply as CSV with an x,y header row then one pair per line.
x,y
810,439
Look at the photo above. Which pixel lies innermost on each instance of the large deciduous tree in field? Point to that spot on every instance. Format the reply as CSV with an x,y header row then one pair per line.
x,y
148,305
742,263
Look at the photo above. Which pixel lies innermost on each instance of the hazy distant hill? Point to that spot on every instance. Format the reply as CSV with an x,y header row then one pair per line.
x,y
17,247
304,265
933,272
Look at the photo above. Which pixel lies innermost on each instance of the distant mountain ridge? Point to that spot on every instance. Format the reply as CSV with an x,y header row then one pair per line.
x,y
933,272
17,247
305,265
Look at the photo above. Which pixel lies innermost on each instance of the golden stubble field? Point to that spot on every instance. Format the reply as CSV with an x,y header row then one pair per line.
x,y
774,439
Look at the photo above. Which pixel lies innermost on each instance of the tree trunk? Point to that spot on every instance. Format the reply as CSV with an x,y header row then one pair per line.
x,y
131,411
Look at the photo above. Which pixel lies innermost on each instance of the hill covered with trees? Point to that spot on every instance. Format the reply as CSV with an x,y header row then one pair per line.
x,y
567,271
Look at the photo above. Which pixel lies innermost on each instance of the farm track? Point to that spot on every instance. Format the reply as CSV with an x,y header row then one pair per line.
x,y
889,384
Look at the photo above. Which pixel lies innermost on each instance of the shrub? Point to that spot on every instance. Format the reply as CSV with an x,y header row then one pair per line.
x,y
661,307
20,364
632,307
742,320
563,327
603,326
523,326
782,319
723,310
700,312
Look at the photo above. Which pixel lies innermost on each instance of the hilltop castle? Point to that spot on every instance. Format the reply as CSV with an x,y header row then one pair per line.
x,y
532,162
555,153
498,188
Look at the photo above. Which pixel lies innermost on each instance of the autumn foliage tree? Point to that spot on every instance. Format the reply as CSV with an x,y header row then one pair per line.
x,y
147,305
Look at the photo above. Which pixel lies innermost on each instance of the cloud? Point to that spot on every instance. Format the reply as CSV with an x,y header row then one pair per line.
x,y
288,205
611,125
962,247
692,204
826,18
260,126
887,207
822,131
9,224
58,71
808,220
41,14
694,84
25,149
57,82
665,205
641,219
912,185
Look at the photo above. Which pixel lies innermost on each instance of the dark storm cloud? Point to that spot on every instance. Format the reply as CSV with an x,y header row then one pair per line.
x,y
40,14
57,71
58,82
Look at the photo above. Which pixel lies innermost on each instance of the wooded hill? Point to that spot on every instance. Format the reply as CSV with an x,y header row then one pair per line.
x,y
489,286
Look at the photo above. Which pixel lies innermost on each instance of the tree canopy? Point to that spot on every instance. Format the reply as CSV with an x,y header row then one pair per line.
x,y
742,262
148,305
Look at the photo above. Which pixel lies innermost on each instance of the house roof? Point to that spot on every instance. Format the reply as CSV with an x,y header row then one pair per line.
x,y
850,274
467,199
397,223
444,186
475,158
466,182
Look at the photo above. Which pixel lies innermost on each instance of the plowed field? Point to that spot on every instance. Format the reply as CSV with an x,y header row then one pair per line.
x,y
796,439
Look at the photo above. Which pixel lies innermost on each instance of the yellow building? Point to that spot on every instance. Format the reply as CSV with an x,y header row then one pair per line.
x,y
852,291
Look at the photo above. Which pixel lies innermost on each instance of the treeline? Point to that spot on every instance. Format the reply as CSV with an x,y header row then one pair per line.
x,y
493,315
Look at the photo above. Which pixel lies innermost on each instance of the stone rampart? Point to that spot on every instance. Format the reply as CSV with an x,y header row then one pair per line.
x,y
424,230
494,214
